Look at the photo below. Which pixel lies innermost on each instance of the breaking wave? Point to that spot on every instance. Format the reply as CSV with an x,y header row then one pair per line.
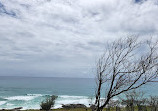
x,y
32,101
2,102
23,98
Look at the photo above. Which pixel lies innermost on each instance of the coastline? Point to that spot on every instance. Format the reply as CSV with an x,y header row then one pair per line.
x,y
32,101
30,92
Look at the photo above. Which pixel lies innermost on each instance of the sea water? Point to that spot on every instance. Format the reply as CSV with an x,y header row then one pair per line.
x,y
29,92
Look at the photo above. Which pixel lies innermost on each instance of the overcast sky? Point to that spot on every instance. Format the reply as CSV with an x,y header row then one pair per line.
x,y
63,38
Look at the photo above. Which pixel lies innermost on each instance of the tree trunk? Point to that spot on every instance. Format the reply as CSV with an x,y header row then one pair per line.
x,y
118,108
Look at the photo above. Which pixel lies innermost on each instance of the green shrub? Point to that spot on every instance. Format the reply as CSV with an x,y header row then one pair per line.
x,y
48,103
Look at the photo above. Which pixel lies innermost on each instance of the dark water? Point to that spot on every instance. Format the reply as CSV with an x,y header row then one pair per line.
x,y
58,86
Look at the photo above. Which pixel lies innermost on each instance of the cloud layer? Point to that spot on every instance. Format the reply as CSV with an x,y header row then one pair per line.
x,y
64,37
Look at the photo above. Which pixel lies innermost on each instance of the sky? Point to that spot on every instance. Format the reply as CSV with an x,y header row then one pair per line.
x,y
64,38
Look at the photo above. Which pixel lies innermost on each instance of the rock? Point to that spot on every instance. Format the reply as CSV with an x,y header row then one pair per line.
x,y
73,106
17,109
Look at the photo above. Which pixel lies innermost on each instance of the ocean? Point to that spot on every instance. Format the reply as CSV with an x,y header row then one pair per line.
x,y
29,92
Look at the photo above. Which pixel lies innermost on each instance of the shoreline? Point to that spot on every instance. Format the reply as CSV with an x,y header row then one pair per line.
x,y
32,101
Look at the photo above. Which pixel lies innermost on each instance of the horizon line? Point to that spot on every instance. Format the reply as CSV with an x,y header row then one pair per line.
x,y
50,77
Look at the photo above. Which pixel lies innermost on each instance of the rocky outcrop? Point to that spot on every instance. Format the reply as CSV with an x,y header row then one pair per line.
x,y
73,106
17,109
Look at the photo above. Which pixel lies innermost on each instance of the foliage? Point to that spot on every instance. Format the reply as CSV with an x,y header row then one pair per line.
x,y
48,103
153,103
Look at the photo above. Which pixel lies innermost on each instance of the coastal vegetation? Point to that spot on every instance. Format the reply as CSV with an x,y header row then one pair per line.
x,y
48,103
133,101
124,67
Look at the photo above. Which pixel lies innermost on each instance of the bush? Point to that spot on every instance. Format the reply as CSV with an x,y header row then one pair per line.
x,y
134,98
48,103
153,103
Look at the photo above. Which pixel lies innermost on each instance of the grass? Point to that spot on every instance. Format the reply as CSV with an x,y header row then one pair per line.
x,y
88,109
80,109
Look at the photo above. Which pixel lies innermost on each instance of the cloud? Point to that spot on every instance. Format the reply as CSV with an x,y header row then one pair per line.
x,y
66,36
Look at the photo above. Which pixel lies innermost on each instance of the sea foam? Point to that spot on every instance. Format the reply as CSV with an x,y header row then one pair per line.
x,y
2,102
32,101
65,99
23,98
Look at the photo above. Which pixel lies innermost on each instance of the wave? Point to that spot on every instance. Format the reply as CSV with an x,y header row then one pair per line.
x,y
2,102
9,104
32,101
71,97
66,99
34,94
22,98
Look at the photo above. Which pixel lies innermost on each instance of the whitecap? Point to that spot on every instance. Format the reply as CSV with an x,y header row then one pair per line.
x,y
2,102
30,103
65,99
71,97
24,98
9,104
34,94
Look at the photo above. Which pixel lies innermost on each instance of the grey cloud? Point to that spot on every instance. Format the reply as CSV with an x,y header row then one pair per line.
x,y
4,11
62,36
95,43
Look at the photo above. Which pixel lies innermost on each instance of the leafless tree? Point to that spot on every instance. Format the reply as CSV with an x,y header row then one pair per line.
x,y
127,64
153,103
134,98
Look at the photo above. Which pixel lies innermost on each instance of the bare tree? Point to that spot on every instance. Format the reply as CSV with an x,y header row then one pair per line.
x,y
127,64
134,98
153,103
